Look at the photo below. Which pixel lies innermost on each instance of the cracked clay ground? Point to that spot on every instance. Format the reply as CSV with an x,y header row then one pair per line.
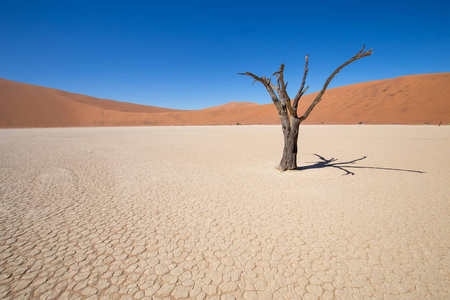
x,y
202,212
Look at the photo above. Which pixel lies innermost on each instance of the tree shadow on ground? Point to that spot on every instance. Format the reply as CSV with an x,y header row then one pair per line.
x,y
344,166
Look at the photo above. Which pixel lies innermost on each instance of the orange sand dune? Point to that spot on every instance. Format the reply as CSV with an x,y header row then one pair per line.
x,y
413,99
410,99
233,105
26,105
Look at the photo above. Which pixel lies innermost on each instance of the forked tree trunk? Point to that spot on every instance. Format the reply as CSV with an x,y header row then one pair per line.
x,y
287,107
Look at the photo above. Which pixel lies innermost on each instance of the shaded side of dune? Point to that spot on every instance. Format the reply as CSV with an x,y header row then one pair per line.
x,y
415,99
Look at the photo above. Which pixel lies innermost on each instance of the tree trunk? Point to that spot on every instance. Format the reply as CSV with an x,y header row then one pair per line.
x,y
290,132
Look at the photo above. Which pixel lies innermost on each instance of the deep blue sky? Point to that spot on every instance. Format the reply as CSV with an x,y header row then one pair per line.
x,y
185,54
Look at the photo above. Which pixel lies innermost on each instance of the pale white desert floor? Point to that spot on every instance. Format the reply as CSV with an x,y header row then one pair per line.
x,y
202,212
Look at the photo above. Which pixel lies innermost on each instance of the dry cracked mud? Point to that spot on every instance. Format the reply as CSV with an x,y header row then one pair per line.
x,y
202,213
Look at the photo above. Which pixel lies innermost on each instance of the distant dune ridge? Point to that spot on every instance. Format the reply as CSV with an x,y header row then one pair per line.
x,y
414,99
233,105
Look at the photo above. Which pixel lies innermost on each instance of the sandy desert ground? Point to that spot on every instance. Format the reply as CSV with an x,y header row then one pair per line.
x,y
202,212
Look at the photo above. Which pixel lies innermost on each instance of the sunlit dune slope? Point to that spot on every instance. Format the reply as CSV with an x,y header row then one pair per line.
x,y
232,105
413,99
26,105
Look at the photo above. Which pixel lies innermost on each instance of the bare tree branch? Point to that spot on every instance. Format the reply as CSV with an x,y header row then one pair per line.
x,y
301,91
282,93
268,85
291,110
273,86
280,84
278,80
318,98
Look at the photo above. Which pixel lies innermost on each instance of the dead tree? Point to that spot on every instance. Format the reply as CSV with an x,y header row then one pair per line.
x,y
287,107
